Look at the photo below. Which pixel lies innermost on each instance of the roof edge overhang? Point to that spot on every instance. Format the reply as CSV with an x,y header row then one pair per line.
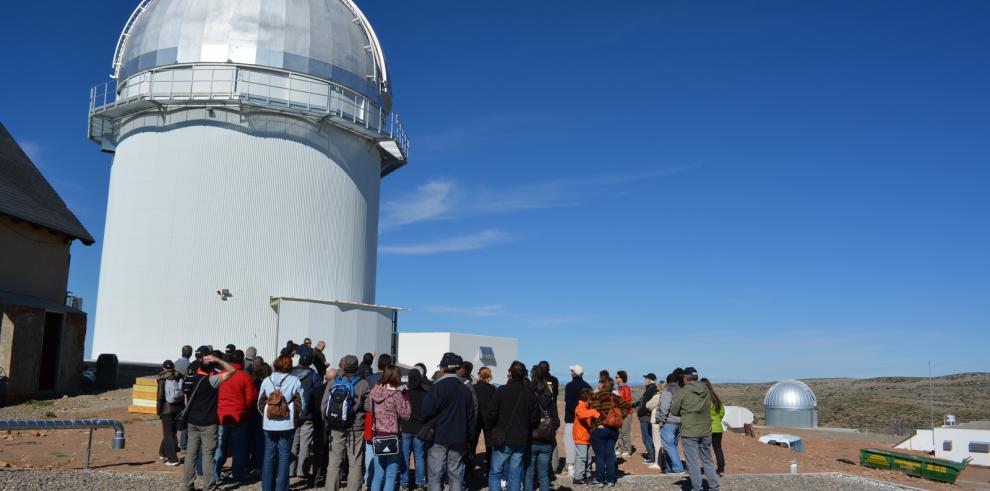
x,y
277,299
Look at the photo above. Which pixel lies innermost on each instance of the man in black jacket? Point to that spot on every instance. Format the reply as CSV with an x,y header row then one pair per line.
x,y
512,414
450,407
572,394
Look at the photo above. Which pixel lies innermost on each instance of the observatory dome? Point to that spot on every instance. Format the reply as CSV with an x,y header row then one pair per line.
x,y
326,39
790,394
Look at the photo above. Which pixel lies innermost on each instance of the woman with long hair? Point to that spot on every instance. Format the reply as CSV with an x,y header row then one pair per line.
x,y
544,435
412,445
484,390
280,402
386,405
718,413
605,430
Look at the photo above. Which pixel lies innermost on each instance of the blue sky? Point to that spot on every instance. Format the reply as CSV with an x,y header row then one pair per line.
x,y
762,190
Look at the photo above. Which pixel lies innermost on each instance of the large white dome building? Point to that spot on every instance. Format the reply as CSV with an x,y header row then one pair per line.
x,y
249,142
791,403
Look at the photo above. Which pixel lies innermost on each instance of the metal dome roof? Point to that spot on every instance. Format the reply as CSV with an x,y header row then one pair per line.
x,y
326,39
790,394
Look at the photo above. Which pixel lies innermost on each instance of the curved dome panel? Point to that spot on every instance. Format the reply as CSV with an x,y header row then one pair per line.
x,y
326,39
790,394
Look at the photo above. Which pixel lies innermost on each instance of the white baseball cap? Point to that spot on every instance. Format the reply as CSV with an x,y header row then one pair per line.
x,y
577,369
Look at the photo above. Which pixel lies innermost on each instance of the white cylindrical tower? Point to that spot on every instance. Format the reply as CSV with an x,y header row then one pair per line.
x,y
249,142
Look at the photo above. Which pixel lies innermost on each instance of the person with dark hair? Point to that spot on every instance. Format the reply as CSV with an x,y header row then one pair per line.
x,y
169,403
625,447
342,408
280,402
201,391
250,354
693,404
512,415
718,414
259,373
412,444
544,436
670,427
235,406
449,407
572,394
387,404
182,363
384,361
554,385
583,416
605,431
304,457
365,369
468,379
643,414
483,391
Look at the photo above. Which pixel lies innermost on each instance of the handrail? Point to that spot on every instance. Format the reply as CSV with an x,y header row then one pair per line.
x,y
70,424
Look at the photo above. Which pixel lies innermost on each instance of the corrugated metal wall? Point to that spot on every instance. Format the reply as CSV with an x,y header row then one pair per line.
x,y
261,205
347,330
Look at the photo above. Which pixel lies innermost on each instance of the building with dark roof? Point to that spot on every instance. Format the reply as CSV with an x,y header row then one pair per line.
x,y
43,330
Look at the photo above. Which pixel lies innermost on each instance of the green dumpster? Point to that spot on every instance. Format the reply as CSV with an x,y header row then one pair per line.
x,y
929,468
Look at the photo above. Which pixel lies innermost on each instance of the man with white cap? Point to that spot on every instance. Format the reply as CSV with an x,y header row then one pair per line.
x,y
572,394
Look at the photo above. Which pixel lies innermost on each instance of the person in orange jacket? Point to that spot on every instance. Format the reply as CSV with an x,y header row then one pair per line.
x,y
583,415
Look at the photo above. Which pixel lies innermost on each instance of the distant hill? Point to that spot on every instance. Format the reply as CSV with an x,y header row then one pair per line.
x,y
893,405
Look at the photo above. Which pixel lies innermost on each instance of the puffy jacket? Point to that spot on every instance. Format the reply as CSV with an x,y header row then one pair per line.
x,y
666,398
236,397
390,405
693,404
717,417
583,415
603,402
162,406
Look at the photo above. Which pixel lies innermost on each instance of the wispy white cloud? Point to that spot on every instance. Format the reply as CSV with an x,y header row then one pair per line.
x,y
444,199
501,312
471,242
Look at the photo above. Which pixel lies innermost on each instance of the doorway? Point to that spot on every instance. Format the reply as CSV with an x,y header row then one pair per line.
x,y
50,342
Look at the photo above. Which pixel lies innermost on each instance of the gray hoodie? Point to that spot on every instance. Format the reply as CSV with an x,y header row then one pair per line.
x,y
666,398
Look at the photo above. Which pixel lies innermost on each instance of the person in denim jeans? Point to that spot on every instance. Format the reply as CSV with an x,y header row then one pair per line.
x,y
545,435
512,415
670,428
387,405
412,445
604,438
279,431
693,404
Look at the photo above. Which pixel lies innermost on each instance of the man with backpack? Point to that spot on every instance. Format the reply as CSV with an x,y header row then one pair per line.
x,y
304,455
200,416
235,404
449,411
342,408
169,402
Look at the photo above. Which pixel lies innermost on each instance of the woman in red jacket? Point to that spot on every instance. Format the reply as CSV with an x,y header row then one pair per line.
x,y
624,447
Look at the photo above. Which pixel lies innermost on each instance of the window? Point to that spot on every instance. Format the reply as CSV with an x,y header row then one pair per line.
x,y
979,447
947,446
488,356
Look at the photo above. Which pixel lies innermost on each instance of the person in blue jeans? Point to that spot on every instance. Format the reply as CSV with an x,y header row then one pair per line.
x,y
544,435
411,443
512,415
507,462
671,425
605,430
279,430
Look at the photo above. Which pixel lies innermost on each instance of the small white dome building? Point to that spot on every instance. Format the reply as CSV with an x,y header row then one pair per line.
x,y
792,404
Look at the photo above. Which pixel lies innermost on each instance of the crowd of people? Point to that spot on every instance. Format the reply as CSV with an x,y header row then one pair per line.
x,y
358,426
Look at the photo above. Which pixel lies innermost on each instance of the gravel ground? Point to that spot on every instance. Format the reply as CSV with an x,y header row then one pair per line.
x,y
100,481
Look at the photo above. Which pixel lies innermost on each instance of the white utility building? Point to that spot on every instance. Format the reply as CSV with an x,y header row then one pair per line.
x,y
483,351
249,143
954,442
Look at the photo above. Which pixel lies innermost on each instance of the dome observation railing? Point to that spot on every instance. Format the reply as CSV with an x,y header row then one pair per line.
x,y
213,85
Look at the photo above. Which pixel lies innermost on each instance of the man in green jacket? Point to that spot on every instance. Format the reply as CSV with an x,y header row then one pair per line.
x,y
693,404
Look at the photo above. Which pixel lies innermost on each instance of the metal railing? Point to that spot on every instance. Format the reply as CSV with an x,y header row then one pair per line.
x,y
226,84
70,424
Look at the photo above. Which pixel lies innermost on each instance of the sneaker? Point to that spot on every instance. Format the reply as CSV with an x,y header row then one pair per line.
x,y
682,473
649,461
172,463
162,457
610,485
654,465
595,484
570,470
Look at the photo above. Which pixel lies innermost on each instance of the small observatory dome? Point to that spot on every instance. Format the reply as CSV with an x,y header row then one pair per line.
x,y
792,404
326,39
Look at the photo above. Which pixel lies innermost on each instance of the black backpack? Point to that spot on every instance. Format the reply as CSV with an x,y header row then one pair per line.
x,y
341,407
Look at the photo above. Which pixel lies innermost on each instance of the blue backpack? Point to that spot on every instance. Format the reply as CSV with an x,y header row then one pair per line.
x,y
341,407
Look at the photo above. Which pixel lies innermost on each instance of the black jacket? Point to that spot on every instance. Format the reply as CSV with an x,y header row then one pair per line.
x,y
513,408
417,393
572,395
450,401
548,404
484,392
554,385
641,410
